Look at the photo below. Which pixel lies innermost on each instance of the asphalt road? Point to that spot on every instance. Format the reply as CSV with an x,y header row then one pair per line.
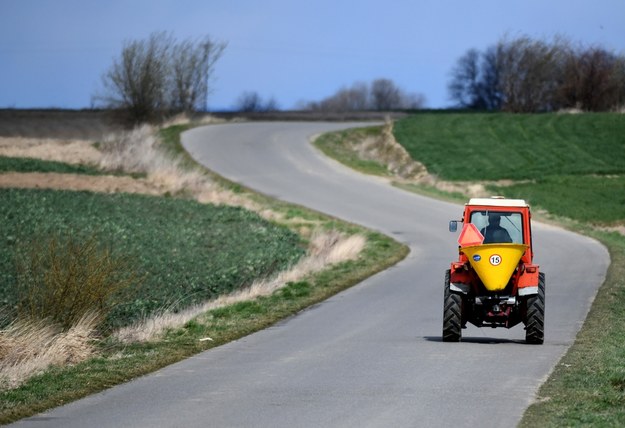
x,y
371,356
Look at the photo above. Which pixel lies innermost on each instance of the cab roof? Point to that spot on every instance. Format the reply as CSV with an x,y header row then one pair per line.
x,y
498,202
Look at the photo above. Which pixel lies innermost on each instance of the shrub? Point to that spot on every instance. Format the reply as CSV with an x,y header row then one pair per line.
x,y
63,278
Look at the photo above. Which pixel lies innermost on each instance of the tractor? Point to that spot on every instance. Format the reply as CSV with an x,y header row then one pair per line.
x,y
494,282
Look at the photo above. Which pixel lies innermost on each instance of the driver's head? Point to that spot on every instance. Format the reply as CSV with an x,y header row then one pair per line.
x,y
494,219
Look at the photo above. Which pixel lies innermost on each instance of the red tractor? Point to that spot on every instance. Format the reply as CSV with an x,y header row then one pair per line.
x,y
495,282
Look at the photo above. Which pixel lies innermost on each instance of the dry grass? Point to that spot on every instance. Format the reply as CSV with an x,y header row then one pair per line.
x,y
577,110
138,151
326,248
387,150
134,151
59,150
184,119
29,347
78,182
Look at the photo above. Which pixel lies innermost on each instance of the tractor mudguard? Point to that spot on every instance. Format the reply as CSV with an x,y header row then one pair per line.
x,y
528,280
459,287
529,276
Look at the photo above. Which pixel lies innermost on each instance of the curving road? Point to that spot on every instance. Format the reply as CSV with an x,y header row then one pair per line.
x,y
372,355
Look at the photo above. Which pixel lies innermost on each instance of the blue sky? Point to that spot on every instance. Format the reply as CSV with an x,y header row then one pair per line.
x,y
54,52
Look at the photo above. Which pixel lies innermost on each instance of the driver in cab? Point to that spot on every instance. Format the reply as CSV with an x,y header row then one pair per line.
x,y
494,233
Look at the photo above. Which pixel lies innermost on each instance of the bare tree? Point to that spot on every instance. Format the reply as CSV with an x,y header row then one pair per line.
x,y
593,80
137,81
475,80
490,85
252,102
385,95
248,102
346,99
382,95
272,105
192,66
158,76
529,74
465,85
412,101
517,75
619,76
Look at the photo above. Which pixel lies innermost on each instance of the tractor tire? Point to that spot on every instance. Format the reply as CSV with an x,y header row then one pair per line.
x,y
535,326
452,313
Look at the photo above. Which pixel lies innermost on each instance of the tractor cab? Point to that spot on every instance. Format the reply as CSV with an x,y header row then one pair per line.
x,y
494,282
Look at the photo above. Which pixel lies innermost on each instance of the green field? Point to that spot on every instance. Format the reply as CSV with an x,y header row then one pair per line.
x,y
8,164
185,252
570,165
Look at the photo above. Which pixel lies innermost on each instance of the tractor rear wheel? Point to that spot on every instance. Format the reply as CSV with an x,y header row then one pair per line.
x,y
452,313
535,326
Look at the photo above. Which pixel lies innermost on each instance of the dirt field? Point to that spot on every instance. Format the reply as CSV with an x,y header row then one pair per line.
x,y
64,136
63,124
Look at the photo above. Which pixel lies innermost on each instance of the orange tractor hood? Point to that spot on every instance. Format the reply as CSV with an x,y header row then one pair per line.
x,y
494,263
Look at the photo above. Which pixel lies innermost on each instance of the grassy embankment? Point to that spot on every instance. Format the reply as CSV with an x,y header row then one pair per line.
x,y
183,252
571,169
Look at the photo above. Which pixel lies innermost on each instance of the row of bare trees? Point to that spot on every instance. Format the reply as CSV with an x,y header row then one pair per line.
x,y
160,76
527,75
250,101
381,94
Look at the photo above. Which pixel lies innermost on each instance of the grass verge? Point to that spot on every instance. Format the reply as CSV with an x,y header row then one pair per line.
x,y
342,145
587,386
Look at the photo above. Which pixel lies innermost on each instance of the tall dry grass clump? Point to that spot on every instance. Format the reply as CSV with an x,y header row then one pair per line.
x,y
67,287
326,248
28,347
139,151
387,150
64,278
185,119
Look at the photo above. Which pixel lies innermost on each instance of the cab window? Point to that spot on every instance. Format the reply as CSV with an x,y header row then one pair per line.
x,y
499,226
